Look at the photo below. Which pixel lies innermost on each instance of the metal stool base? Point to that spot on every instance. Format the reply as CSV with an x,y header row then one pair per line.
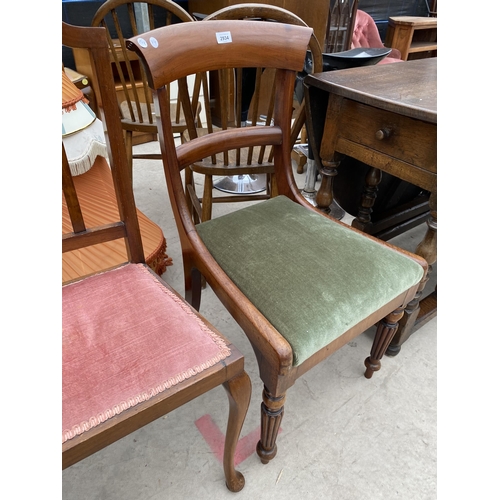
x,y
242,184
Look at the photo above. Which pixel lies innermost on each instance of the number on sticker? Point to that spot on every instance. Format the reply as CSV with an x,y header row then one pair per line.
x,y
224,37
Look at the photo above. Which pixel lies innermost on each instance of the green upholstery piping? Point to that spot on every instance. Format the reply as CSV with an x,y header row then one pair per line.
x,y
312,278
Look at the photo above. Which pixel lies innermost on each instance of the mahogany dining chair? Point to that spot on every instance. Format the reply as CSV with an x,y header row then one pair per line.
x,y
298,282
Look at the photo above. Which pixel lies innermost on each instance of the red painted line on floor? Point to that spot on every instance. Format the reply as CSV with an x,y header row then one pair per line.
x,y
215,439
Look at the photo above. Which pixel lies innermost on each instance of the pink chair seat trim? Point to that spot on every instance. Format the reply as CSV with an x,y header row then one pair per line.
x,y
127,338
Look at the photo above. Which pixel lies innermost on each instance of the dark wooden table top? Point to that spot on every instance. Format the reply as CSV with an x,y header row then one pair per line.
x,y
408,88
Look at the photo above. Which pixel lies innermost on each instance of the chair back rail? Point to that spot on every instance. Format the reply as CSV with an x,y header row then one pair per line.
x,y
264,45
71,197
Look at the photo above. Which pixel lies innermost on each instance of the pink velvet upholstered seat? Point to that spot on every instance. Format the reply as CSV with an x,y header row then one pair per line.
x,y
126,338
365,34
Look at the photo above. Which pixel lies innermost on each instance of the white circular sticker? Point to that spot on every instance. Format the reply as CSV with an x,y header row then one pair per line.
x,y
154,42
142,42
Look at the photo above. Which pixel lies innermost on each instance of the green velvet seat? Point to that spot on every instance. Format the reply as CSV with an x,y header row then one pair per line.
x,y
274,248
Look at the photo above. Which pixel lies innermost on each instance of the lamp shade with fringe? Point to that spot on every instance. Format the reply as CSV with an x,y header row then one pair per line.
x,y
85,145
82,131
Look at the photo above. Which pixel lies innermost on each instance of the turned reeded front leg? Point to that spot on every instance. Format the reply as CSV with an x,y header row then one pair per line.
x,y
238,390
386,330
272,410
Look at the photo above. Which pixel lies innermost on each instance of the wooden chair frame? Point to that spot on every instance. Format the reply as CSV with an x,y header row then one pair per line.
x,y
229,372
259,44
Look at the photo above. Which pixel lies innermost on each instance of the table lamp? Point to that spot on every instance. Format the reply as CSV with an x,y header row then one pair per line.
x,y
85,145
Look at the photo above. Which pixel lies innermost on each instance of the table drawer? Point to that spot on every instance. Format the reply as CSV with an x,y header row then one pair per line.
x,y
398,136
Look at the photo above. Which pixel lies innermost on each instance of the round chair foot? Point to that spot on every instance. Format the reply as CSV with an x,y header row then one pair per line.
x,y
371,367
237,484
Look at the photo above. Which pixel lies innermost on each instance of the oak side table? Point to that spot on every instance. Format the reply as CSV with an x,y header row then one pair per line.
x,y
414,37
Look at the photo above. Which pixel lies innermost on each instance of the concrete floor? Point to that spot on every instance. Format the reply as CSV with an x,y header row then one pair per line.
x,y
343,437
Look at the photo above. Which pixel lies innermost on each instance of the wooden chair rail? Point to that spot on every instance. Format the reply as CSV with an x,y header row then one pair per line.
x,y
226,140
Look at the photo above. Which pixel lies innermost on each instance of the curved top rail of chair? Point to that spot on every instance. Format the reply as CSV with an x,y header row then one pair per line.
x,y
265,13
257,11
288,44
105,8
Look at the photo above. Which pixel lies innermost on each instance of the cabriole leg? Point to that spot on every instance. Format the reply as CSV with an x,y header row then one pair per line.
x,y
238,391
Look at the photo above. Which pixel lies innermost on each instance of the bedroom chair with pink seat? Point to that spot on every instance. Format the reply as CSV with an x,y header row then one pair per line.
x,y
132,349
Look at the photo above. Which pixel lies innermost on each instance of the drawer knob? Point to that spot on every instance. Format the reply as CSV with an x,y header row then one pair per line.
x,y
383,133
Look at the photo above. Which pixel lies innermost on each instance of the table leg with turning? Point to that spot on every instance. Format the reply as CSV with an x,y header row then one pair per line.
x,y
418,311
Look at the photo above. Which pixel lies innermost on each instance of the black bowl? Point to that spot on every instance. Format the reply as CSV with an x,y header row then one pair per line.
x,y
353,58
350,58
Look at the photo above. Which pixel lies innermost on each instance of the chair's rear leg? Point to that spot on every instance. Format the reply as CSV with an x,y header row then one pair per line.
x,y
386,330
272,410
206,204
238,390
192,284
273,186
188,179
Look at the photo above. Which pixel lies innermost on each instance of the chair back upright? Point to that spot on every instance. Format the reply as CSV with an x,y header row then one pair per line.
x,y
127,227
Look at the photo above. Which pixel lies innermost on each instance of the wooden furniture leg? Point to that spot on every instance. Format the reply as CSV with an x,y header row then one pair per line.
x,y
386,330
324,197
238,390
363,220
418,312
272,410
